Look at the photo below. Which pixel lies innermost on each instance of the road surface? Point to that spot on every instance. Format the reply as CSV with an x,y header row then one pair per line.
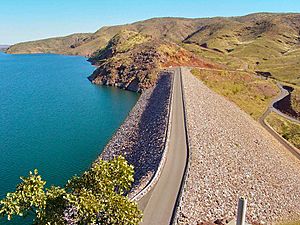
x,y
283,94
271,108
158,205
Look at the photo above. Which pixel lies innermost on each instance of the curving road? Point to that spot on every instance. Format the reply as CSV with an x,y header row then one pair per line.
x,y
270,109
283,94
158,205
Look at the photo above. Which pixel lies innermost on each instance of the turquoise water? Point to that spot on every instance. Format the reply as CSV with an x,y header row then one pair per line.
x,y
52,118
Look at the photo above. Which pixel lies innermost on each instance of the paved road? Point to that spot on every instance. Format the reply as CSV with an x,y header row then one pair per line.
x,y
283,94
158,205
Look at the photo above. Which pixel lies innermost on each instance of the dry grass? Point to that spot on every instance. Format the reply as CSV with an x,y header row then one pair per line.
x,y
251,94
214,56
295,98
127,40
261,55
286,128
290,223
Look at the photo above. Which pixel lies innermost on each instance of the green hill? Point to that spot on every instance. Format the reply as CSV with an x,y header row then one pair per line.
x,y
174,29
257,42
266,43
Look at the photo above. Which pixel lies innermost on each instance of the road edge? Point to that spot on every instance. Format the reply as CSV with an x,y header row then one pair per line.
x,y
177,208
292,149
155,178
263,122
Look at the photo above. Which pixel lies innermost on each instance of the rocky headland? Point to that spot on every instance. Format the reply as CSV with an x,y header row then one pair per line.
x,y
132,61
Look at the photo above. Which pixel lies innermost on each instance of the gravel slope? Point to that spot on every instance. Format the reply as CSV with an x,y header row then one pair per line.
x,y
141,138
232,156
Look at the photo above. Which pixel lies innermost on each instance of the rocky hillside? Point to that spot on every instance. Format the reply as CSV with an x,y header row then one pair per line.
x,y
131,60
174,29
266,43
259,42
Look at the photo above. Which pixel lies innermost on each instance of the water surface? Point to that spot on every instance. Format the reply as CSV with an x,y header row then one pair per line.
x,y
52,118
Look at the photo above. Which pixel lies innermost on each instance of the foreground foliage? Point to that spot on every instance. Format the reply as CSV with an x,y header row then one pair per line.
x,y
96,197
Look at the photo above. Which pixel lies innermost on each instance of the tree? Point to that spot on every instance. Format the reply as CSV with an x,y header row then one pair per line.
x,y
96,197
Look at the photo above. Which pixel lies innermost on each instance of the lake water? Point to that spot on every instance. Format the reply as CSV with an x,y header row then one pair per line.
x,y
52,118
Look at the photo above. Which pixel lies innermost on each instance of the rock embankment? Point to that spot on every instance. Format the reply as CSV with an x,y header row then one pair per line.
x,y
233,156
141,137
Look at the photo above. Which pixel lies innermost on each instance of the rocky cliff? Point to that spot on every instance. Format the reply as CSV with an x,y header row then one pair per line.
x,y
131,60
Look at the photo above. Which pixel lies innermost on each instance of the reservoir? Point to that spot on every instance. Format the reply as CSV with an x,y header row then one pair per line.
x,y
52,118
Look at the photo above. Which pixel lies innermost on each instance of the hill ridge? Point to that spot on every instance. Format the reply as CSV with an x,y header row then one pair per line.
x,y
263,42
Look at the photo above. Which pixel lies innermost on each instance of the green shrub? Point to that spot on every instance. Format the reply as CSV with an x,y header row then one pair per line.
x,y
96,197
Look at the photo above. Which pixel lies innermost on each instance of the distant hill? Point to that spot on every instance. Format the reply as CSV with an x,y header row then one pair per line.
x,y
257,42
264,42
174,29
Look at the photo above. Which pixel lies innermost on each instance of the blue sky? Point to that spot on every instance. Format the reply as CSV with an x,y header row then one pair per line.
x,y
23,20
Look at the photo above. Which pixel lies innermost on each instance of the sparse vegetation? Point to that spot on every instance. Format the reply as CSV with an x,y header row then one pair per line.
x,y
214,56
295,99
251,94
286,128
130,40
257,42
290,223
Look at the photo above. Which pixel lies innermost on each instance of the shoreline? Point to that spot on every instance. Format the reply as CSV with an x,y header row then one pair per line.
x,y
142,135
141,138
